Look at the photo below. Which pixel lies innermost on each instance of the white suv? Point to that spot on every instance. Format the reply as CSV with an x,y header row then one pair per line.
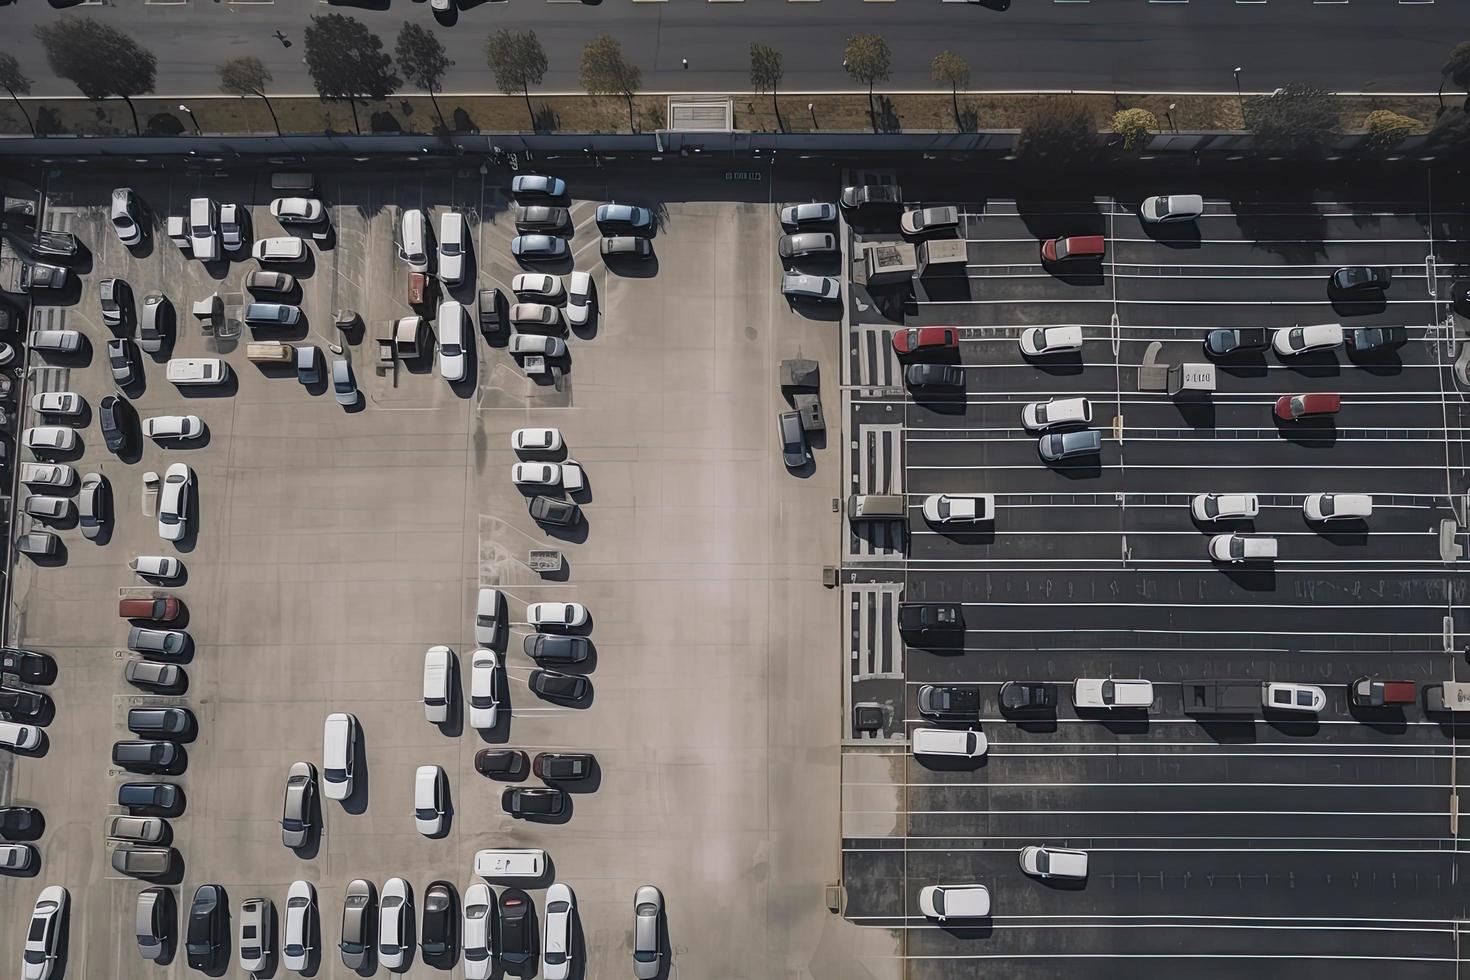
x,y
1338,507
1108,692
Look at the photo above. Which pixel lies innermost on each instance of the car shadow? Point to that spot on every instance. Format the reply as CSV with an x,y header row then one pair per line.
x,y
357,802
629,267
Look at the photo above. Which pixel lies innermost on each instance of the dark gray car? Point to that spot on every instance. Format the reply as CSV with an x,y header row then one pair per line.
x,y
151,673
626,245
142,861
1057,446
793,439
272,314
934,376
299,806
150,757
161,722
807,243
541,217
558,687
550,510
556,648
171,643
357,919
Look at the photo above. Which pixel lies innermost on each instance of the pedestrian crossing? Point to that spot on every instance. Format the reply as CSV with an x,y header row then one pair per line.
x,y
874,652
876,465
871,360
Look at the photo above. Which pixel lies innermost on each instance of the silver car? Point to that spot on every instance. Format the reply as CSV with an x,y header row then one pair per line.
x,y
296,811
806,243
94,505
344,385
648,910
810,213
153,922
796,285
140,861
48,508
144,830
357,916
255,934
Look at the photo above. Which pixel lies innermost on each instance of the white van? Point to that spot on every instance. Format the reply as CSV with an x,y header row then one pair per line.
x,y
1053,862
510,862
339,751
413,240
204,229
451,248
1107,692
968,744
945,902
56,341
282,249
1237,547
1333,506
197,371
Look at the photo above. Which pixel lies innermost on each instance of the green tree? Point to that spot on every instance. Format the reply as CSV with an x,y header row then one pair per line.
x,y
1295,120
1058,132
99,60
1135,126
766,71
866,59
246,76
1457,70
606,72
17,84
347,61
950,69
423,60
1450,135
1387,129
518,61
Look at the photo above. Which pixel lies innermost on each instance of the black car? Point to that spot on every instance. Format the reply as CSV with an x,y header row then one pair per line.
x,y
950,702
28,665
151,799
563,766
491,305
929,617
39,275
1236,340
1028,696
516,936
437,936
205,933
933,376
549,510
558,687
10,318
168,723
61,244
122,358
116,297
20,822
143,755
556,648
533,801
18,703
1366,278
1364,339
116,418
501,763
864,194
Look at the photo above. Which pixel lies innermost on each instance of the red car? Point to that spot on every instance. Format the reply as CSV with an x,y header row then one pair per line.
x,y
1075,247
911,339
161,609
1290,407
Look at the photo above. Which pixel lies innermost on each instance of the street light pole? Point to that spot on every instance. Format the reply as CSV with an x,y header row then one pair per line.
x,y
1170,113
192,118
1236,73
812,108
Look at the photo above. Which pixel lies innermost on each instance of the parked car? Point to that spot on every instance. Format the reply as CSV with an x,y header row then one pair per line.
x,y
122,359
153,922
946,902
959,508
43,935
156,566
793,439
20,822
428,800
204,935
127,215
558,687
556,951
454,328
173,502
142,861
1237,547
533,801
950,702
272,315
556,648
116,298
30,666
357,916
617,246
173,427
537,343
1028,697
267,281
541,217
395,921
863,195
912,340
557,614
579,299
1110,692
118,422
798,285
648,908
517,929
538,247
501,763
1225,506
160,609
625,216
562,767
1053,862
1044,341
484,689
1291,407
42,275
438,683
553,511
152,675
452,244
1231,341
539,315
538,286
151,799
921,221
170,643
1281,696
281,249
805,244
232,221
67,403
1073,247
165,723
1040,416
1361,278
933,376
537,184
1171,207
930,617
339,755
56,341
298,808
476,939
344,385
1365,340
1338,507
148,756
49,438
437,937
540,439
17,703
968,744
58,475
297,210
142,830
257,934
1056,447
47,507
810,213
1301,340
489,604
18,858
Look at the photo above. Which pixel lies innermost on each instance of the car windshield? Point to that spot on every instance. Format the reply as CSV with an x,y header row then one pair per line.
x,y
425,813
1212,507
1304,698
482,702
1281,696
944,508
253,952
1237,547
1043,861
350,947
450,350
335,775
294,949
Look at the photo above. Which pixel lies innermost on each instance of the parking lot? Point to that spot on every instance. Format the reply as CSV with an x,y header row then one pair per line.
x,y
1317,844
331,548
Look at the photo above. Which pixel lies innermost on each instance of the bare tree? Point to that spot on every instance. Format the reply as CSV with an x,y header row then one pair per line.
x,y
765,72
246,76
606,72
346,61
15,81
423,60
866,59
950,69
518,61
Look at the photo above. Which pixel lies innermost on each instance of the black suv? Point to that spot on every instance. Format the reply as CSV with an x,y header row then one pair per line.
x,y
929,617
18,703
137,755
1022,696
950,702
516,938
205,934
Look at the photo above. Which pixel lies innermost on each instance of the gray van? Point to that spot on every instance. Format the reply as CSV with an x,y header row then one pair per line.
x,y
1057,446
141,639
160,722
877,507
272,314
142,861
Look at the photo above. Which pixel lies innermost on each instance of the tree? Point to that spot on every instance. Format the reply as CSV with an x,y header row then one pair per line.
x,y
1135,126
99,60
1457,70
518,61
347,61
247,76
1387,129
423,60
950,69
1058,132
866,59
15,82
606,72
1295,120
765,72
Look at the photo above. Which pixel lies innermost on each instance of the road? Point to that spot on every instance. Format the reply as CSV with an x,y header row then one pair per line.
x,y
1128,45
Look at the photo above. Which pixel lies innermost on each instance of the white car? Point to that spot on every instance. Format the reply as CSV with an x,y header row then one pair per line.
x,y
47,474
1300,340
1171,207
1338,507
257,933
538,343
1053,862
537,286
968,744
296,944
453,326
57,403
1237,547
156,566
438,671
173,427
475,937
579,299
800,285
395,912
297,210
451,248
17,857
1224,506
538,315
43,937
173,502
484,689
488,604
1293,697
535,474
428,800
954,508
536,440
1039,416
556,614
232,226
1109,692
945,902
280,249
48,507
17,736
1038,341
556,947
49,438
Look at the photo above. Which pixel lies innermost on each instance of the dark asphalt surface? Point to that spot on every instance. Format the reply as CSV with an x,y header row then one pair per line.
x,y
1250,843
1130,45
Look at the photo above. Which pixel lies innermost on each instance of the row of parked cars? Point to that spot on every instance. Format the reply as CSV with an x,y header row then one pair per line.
x,y
544,223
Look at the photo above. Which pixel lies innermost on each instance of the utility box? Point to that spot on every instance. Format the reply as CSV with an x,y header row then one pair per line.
x,y
1191,379
949,254
885,262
